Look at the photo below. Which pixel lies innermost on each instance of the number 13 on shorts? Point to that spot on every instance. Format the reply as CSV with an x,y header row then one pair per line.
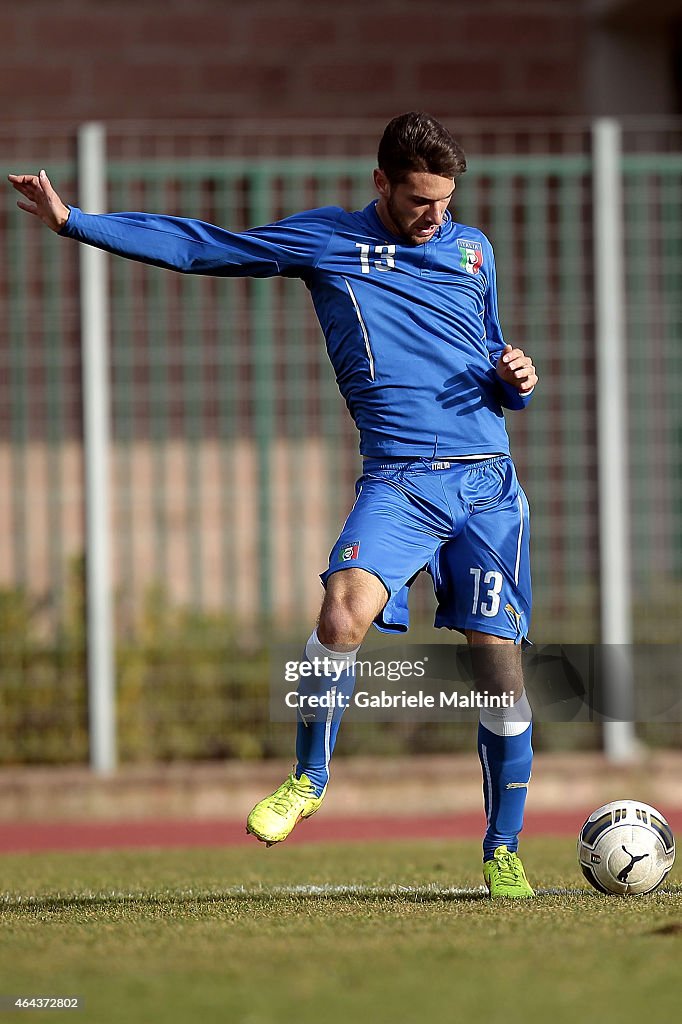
x,y
487,589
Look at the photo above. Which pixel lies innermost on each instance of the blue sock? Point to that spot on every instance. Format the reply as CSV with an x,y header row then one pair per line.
x,y
317,728
506,754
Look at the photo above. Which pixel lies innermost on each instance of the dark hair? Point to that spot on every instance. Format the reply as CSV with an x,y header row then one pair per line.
x,y
417,142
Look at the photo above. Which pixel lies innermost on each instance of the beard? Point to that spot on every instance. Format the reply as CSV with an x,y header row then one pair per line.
x,y
406,229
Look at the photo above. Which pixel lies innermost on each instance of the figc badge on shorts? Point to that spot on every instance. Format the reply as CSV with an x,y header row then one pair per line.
x,y
349,551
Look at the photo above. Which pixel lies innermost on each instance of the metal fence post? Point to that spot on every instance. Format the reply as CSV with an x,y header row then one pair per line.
x,y
96,412
264,401
612,430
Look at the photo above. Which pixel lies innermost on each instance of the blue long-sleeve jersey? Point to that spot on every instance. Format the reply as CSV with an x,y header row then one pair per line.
x,y
412,331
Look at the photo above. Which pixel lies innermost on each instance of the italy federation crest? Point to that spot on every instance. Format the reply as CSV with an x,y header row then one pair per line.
x,y
349,552
471,255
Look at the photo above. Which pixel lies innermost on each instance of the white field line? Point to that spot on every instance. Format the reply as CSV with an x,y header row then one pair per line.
x,y
428,893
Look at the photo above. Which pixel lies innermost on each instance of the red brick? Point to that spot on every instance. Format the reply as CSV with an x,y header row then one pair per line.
x,y
80,34
548,77
124,105
12,31
413,31
150,58
245,77
461,79
35,82
276,31
203,29
508,33
112,79
362,78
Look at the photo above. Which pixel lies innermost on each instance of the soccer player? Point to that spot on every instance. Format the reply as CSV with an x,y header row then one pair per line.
x,y
407,300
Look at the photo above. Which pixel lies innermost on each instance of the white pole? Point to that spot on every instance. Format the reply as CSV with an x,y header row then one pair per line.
x,y
95,333
612,429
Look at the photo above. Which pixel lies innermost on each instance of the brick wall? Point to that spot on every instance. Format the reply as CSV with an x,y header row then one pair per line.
x,y
268,58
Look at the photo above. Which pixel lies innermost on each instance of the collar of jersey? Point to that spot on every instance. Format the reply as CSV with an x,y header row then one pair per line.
x,y
371,211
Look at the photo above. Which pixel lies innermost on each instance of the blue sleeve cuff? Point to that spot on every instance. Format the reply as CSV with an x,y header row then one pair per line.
x,y
511,398
70,220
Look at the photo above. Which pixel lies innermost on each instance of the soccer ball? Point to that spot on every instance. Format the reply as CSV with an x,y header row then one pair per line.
x,y
626,847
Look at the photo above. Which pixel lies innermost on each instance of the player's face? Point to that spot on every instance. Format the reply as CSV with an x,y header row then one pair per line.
x,y
413,209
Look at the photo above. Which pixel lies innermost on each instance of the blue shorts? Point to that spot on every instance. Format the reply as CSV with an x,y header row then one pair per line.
x,y
466,524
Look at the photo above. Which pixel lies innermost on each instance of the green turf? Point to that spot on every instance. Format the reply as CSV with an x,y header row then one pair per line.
x,y
222,935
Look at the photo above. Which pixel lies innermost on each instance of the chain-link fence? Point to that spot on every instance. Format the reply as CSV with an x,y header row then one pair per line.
x,y
233,457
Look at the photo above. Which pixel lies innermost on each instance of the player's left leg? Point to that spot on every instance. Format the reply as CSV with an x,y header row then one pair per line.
x,y
482,581
506,756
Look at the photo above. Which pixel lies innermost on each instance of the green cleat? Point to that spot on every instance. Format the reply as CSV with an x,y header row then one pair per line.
x,y
505,877
273,818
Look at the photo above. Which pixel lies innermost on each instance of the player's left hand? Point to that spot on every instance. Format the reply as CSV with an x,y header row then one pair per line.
x,y
516,368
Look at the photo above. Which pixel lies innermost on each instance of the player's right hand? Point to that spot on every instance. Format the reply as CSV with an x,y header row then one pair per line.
x,y
43,201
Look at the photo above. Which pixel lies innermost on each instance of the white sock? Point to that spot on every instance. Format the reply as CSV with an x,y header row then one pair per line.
x,y
508,721
316,649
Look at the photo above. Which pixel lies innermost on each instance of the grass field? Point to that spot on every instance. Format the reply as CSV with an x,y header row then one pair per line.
x,y
320,934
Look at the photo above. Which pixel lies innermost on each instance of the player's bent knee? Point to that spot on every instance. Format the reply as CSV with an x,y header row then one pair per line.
x,y
343,624
353,600
337,630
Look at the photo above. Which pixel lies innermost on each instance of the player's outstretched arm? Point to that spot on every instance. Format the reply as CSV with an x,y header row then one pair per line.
x,y
516,368
41,199
177,243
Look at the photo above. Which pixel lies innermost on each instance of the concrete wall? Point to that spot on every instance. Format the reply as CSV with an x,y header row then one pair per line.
x,y
205,521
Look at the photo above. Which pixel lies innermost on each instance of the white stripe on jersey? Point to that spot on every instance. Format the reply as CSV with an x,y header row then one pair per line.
x,y
364,329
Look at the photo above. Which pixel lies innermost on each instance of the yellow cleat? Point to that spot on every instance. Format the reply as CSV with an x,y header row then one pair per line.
x,y
505,877
273,818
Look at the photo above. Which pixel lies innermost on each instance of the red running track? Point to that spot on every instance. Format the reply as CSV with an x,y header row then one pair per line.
x,y
74,836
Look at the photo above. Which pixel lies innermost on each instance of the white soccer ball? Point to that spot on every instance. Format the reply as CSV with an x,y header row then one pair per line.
x,y
626,847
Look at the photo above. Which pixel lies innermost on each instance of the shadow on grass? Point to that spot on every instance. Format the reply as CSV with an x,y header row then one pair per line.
x,y
18,906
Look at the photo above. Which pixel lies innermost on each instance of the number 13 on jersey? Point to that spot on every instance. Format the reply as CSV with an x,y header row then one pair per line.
x,y
385,253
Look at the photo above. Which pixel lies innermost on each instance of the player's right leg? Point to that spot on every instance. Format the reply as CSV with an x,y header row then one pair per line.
x,y
391,533
352,601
